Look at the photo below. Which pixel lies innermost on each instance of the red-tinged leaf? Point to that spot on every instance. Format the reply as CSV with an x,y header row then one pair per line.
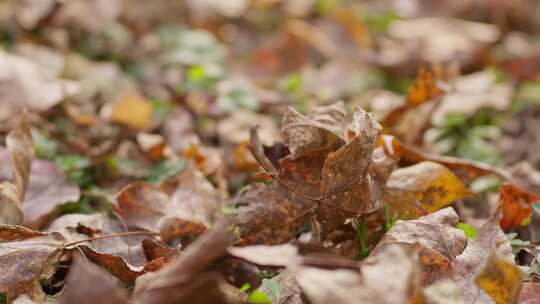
x,y
516,205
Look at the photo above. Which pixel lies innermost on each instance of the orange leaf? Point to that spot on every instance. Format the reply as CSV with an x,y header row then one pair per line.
x,y
516,205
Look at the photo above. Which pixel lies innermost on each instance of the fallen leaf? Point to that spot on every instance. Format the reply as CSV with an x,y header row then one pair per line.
x,y
20,151
516,205
182,208
99,285
439,240
24,262
132,110
182,279
47,189
500,279
323,129
471,261
269,215
422,188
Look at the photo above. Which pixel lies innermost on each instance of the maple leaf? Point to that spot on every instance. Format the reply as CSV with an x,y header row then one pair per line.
x,y
21,150
335,175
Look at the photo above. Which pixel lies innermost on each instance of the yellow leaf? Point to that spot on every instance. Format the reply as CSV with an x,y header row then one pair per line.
x,y
132,110
500,279
422,188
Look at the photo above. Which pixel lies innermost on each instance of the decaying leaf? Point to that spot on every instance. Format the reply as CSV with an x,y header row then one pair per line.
x,y
100,286
440,242
21,153
500,279
422,188
516,205
182,208
270,215
186,279
47,188
471,261
323,129
25,261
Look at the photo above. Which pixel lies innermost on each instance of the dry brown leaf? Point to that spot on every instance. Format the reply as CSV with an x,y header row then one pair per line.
x,y
440,242
47,188
186,279
471,261
24,262
20,150
530,293
269,215
323,129
182,208
422,188
99,286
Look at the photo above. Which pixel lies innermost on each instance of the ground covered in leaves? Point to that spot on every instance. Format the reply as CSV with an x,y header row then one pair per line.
x,y
269,151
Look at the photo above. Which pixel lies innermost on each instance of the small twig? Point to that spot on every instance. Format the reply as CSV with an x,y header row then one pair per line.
x,y
108,236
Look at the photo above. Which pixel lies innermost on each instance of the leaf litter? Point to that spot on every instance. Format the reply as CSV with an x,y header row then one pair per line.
x,y
288,152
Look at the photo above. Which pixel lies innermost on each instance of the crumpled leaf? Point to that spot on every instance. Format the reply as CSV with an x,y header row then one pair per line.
x,y
123,256
183,207
516,205
471,261
269,215
422,188
323,129
186,279
441,292
324,173
99,286
439,241
20,151
500,279
47,188
25,261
